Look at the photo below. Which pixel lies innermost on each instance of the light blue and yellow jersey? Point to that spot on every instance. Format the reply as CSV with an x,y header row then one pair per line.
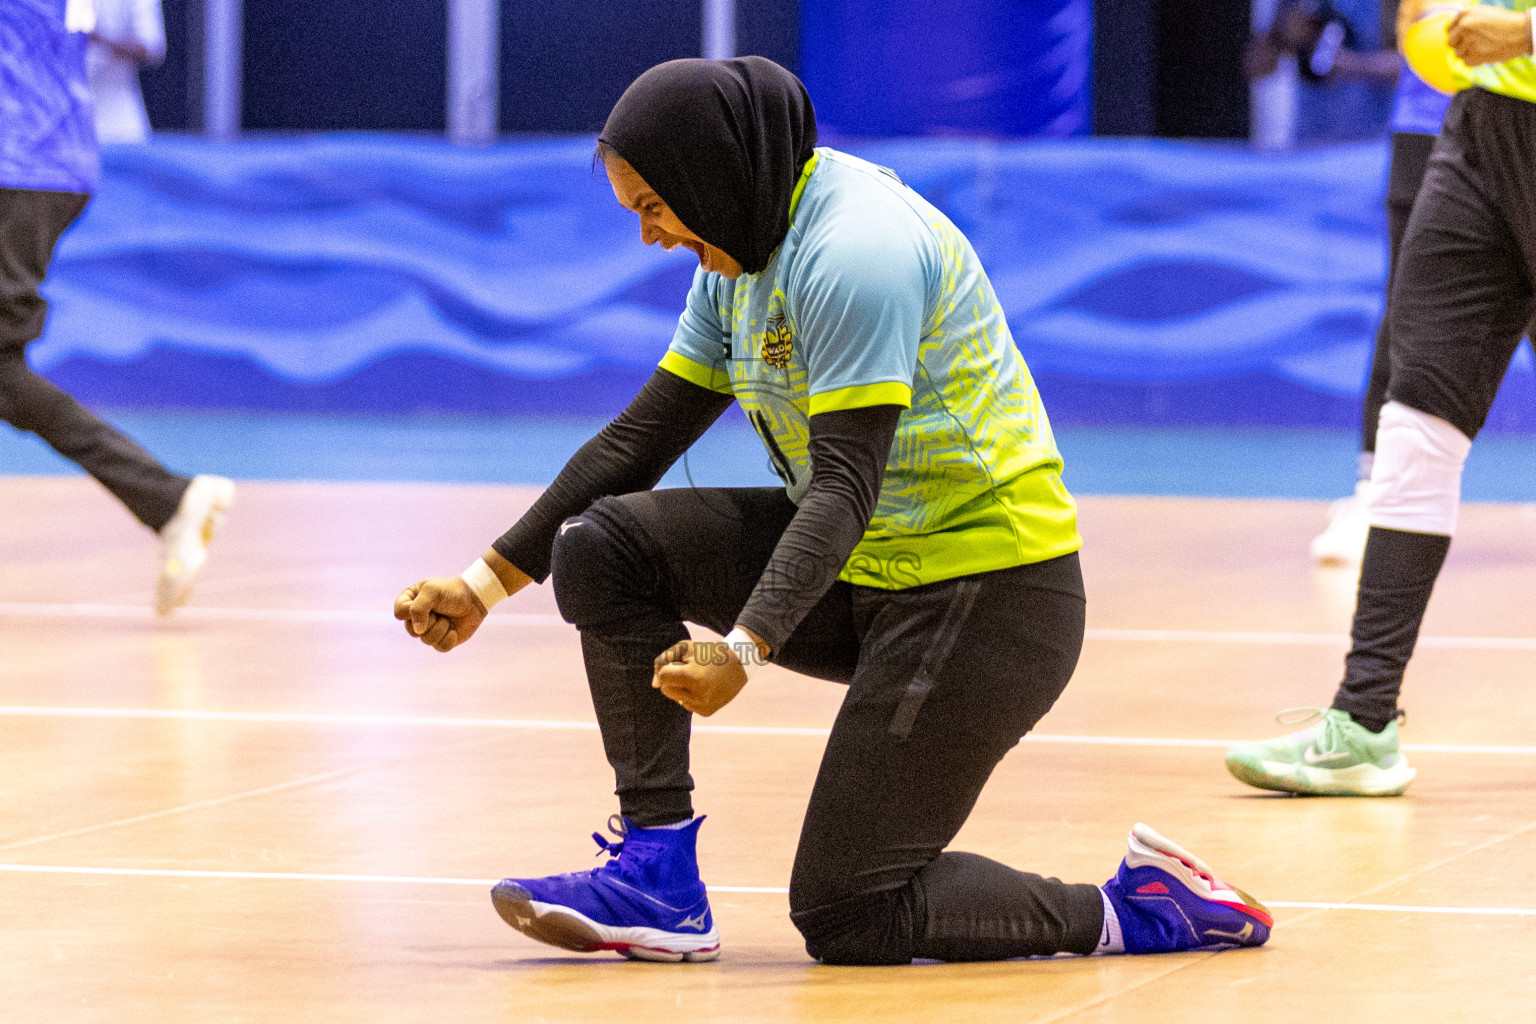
x,y
1516,78
875,298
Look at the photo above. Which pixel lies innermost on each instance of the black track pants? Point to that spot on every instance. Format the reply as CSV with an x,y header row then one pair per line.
x,y
943,680
31,222
1410,157
1462,291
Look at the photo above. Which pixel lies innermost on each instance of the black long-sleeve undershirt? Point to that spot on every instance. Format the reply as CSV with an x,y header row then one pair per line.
x,y
848,449
630,454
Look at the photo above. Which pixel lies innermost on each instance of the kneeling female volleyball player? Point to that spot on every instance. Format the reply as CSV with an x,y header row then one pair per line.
x,y
922,551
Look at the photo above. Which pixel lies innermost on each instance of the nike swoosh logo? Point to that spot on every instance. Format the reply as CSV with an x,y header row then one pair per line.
x,y
1242,936
696,923
570,525
1311,756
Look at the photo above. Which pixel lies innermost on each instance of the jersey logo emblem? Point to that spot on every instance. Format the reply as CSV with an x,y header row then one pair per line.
x,y
777,342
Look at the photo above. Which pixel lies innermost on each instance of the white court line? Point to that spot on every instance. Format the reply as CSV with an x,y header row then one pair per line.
x,y
1393,908
298,717
277,787
555,725
295,876
348,616
383,721
1205,636
367,617
300,876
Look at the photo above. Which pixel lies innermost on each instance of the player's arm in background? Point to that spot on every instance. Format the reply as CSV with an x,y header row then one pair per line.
x,y
1491,35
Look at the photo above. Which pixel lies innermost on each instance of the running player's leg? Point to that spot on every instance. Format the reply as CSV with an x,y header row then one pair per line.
x,y
31,222
950,676
136,478
628,573
1343,542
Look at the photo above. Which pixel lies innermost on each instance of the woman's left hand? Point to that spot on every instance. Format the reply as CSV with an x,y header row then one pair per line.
x,y
701,675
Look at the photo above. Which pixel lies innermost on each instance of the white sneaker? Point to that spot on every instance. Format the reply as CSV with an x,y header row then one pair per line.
x,y
1343,542
184,540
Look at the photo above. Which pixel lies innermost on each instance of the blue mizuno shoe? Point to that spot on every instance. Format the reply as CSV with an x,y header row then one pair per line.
x,y
1168,899
646,902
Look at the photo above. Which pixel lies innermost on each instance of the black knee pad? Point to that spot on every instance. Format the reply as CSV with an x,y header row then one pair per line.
x,y
592,563
873,930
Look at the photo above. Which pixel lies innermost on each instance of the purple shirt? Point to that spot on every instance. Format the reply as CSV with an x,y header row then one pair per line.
x,y
47,128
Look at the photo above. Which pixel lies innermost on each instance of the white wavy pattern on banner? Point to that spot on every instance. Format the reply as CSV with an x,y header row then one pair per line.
x,y
1129,260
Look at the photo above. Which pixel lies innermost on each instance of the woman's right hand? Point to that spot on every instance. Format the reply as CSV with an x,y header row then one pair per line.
x,y
441,612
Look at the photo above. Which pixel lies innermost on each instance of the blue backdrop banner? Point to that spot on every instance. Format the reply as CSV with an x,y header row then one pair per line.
x,y
1145,281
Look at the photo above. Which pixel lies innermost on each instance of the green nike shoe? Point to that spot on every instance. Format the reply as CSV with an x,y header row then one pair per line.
x,y
1335,757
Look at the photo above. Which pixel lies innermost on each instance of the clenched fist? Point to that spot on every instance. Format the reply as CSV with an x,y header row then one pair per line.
x,y
701,675
441,612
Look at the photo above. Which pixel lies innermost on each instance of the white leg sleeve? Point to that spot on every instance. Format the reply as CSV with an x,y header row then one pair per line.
x,y
1416,478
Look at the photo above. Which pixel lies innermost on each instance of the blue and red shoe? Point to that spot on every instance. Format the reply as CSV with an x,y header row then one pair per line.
x,y
645,902
1167,899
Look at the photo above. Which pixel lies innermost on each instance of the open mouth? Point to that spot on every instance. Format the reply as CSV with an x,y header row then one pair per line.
x,y
693,245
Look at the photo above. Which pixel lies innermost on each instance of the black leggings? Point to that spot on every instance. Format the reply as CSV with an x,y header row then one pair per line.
x,y
943,680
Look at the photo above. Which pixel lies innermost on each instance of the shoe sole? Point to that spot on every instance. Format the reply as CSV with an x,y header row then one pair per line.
x,y
1359,780
173,589
569,929
1327,551
1340,544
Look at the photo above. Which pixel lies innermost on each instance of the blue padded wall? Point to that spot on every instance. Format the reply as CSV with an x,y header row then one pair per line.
x,y
1145,281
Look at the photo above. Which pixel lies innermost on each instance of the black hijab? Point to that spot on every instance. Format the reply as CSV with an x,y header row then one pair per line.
x,y
722,142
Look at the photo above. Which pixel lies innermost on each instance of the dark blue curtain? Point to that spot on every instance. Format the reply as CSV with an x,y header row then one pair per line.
x,y
941,67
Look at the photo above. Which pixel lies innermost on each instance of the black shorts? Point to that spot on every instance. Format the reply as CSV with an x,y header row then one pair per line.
x,y
1463,289
31,221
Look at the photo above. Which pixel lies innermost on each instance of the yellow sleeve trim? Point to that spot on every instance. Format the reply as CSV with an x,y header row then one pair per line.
x,y
697,373
862,396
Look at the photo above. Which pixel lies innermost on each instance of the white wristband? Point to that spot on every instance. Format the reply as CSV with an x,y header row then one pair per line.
x,y
485,584
746,651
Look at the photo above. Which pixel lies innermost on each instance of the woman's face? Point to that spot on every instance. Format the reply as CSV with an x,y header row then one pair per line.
x,y
657,221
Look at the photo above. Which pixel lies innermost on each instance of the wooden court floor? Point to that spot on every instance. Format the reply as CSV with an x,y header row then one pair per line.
x,y
275,807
